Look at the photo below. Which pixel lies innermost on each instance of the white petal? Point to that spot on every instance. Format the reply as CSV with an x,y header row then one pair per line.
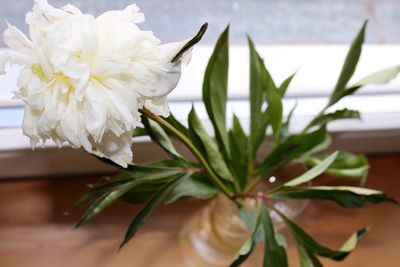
x,y
130,14
29,124
158,106
95,113
11,58
160,80
52,14
117,149
72,9
16,40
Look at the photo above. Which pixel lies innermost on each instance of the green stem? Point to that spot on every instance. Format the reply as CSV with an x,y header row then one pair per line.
x,y
163,123
252,184
256,180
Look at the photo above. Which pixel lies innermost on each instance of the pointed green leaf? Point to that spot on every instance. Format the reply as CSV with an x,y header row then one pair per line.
x,y
346,196
151,204
238,142
379,77
147,178
191,42
274,101
244,252
105,200
258,119
345,165
275,109
252,220
160,137
285,125
311,246
314,171
192,186
336,115
349,66
285,85
274,253
139,132
215,87
294,147
99,190
177,124
307,257
213,155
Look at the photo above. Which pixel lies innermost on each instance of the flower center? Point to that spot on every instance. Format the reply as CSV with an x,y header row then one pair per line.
x,y
38,71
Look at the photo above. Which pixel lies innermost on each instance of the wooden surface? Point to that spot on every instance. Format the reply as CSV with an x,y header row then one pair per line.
x,y
35,231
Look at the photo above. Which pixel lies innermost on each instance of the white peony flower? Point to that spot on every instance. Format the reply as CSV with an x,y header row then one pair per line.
x,y
84,78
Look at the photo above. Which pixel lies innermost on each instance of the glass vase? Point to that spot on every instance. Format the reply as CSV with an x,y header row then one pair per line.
x,y
213,235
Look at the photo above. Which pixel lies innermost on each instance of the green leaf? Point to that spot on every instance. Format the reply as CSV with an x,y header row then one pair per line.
x,y
238,146
139,132
345,196
261,228
214,157
274,108
154,176
345,165
285,126
244,252
151,204
177,124
310,246
160,137
258,119
105,200
148,178
274,253
285,85
379,77
314,171
99,190
252,220
191,42
324,119
349,66
294,147
215,86
307,257
192,186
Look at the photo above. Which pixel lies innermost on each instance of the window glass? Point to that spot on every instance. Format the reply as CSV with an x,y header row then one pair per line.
x,y
267,21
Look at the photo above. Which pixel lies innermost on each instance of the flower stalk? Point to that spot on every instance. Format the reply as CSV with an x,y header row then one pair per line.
x,y
186,141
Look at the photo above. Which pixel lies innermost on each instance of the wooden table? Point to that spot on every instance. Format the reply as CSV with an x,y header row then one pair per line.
x,y
35,231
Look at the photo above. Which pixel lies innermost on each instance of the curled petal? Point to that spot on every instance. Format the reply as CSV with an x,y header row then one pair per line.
x,y
12,57
72,9
16,40
158,106
116,148
130,14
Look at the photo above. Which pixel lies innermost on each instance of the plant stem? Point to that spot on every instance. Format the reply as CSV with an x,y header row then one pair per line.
x,y
186,141
253,184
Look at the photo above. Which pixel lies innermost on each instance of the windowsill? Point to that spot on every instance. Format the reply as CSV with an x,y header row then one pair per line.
x,y
376,132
